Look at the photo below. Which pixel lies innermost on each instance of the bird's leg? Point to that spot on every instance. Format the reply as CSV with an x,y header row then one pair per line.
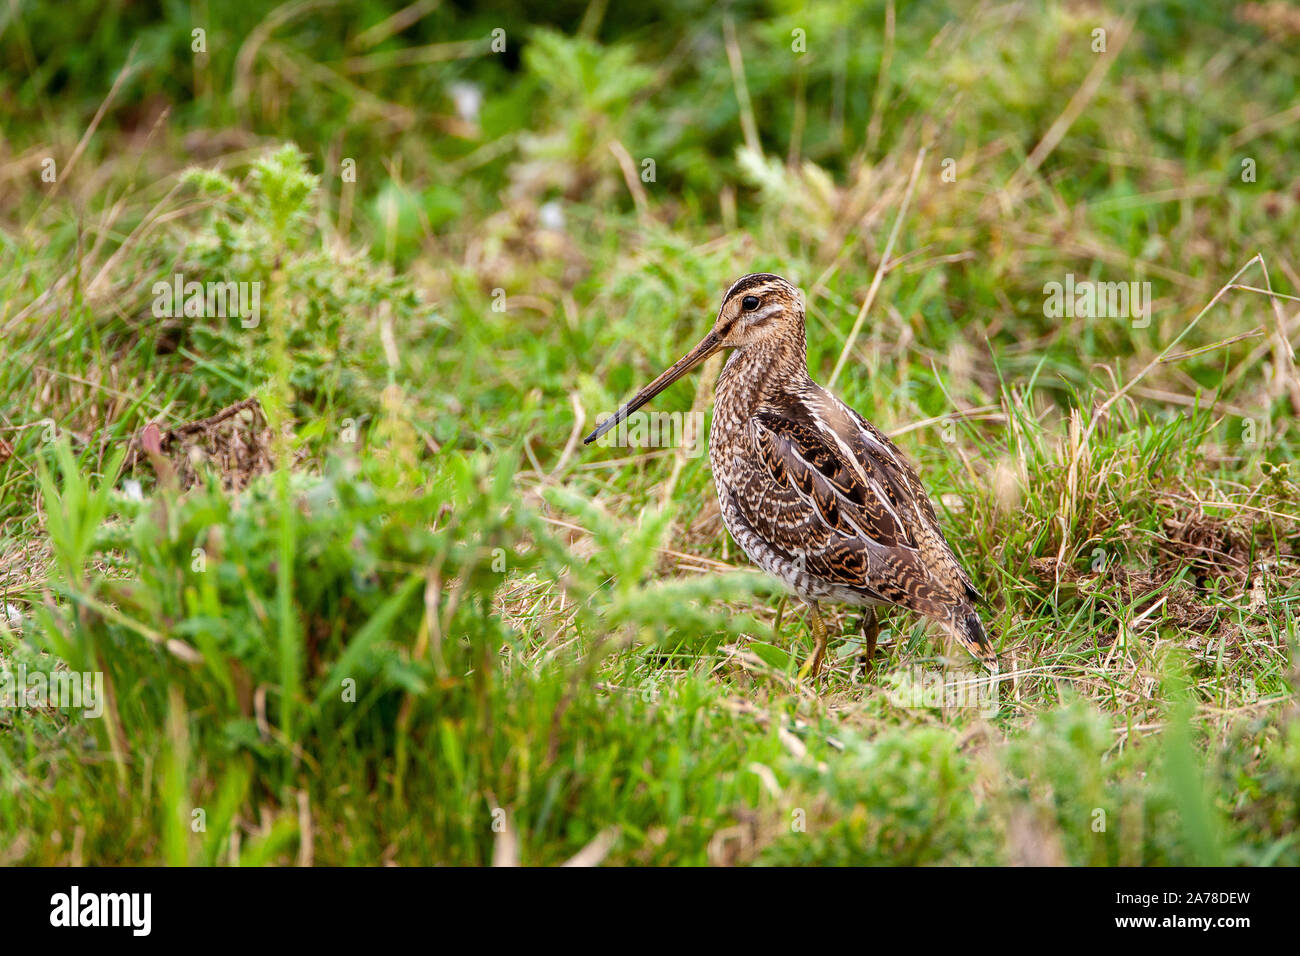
x,y
814,663
780,611
870,631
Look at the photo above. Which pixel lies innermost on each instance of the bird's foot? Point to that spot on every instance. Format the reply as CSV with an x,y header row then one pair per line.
x,y
870,633
813,666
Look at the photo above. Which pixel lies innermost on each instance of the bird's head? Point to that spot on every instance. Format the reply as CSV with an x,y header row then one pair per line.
x,y
758,309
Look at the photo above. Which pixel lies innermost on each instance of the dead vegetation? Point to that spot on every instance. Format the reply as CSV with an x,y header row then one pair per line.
x,y
1183,577
235,444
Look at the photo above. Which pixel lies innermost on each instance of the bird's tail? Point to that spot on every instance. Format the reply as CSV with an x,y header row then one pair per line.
x,y
964,624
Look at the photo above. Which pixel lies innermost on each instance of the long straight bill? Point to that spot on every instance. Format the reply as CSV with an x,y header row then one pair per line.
x,y
708,345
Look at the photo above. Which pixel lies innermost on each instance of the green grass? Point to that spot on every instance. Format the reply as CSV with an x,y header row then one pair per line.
x,y
403,615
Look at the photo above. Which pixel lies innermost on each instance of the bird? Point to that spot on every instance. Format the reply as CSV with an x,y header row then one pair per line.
x,y
814,494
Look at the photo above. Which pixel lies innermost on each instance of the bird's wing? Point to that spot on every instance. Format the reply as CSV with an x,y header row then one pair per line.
x,y
852,495
842,499
916,491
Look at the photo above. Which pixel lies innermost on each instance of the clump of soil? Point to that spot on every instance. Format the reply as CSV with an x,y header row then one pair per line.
x,y
1220,555
1136,591
235,444
1212,548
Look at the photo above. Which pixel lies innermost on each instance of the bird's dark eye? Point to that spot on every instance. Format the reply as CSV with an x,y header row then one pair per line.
x,y
749,303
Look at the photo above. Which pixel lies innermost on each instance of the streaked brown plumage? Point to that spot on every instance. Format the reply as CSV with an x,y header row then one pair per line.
x,y
814,493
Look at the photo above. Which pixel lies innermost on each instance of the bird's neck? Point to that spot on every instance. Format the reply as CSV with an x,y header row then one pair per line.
x,y
762,371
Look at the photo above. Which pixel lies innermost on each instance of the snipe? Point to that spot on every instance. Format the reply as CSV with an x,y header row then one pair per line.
x,y
814,493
